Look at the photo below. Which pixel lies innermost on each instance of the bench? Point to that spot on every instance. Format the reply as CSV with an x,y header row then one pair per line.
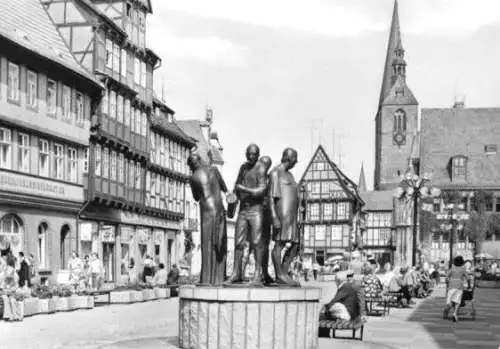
x,y
329,327
370,301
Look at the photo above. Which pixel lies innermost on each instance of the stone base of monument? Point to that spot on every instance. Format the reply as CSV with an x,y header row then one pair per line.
x,y
248,318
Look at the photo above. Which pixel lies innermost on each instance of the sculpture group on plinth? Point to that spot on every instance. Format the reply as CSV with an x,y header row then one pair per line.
x,y
269,205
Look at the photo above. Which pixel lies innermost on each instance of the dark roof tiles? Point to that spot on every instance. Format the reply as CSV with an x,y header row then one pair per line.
x,y
26,23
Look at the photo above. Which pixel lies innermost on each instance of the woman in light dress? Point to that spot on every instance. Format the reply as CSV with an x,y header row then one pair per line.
x,y
75,266
457,276
9,284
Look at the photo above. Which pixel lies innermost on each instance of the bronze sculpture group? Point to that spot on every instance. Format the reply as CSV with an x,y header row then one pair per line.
x,y
269,205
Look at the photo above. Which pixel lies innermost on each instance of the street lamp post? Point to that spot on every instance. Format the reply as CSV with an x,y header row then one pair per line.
x,y
414,187
453,216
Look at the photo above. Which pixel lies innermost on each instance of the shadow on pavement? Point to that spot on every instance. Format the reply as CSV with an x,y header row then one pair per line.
x,y
479,333
146,343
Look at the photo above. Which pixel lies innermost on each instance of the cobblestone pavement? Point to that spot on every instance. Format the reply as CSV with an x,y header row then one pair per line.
x,y
153,325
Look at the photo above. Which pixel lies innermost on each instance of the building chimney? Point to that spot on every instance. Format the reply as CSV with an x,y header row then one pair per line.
x,y
459,102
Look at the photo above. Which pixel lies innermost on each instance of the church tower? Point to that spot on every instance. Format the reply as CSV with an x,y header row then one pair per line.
x,y
397,115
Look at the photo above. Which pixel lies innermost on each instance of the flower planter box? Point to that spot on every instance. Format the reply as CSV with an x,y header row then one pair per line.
x,y
137,296
122,297
90,302
46,306
78,302
62,304
20,304
31,306
162,293
148,294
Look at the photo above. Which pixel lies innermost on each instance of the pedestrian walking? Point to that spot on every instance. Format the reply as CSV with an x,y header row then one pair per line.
x,y
315,270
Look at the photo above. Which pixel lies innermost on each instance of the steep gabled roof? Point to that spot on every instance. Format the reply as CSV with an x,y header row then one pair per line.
x,y
393,44
400,94
27,24
345,182
193,128
450,132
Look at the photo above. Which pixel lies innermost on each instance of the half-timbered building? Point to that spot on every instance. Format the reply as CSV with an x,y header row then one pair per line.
x,y
108,37
332,202
47,100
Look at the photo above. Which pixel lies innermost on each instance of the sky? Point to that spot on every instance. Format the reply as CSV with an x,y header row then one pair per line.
x,y
297,73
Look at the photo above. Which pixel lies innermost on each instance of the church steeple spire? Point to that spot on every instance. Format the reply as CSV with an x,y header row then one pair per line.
x,y
395,64
362,180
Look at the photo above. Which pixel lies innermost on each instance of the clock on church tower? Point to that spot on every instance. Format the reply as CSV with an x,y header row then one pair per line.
x,y
399,127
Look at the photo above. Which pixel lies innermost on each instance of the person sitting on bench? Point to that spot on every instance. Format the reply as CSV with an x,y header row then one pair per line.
x,y
347,303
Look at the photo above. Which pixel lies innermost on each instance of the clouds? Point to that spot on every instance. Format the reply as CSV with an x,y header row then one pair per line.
x,y
316,16
448,17
209,49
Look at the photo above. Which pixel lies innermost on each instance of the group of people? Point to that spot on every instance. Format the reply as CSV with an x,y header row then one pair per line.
x,y
16,276
86,273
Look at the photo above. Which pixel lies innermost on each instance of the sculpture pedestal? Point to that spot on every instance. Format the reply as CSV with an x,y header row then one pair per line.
x,y
248,318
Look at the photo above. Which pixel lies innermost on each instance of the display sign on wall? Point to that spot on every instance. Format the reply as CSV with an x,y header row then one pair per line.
x,y
21,183
137,219
86,231
126,233
107,233
144,235
158,236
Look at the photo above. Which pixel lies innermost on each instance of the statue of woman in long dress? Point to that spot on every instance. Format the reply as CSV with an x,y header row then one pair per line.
x,y
206,186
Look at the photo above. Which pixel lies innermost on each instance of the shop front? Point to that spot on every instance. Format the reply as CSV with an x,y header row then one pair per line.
x,y
123,238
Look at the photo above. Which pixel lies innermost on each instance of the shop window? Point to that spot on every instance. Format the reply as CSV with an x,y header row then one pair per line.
x,y
64,246
125,259
11,233
42,245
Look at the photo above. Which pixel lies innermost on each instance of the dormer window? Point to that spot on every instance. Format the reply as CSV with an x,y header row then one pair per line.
x,y
458,167
490,149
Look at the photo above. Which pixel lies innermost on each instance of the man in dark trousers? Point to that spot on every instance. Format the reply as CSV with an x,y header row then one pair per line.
x,y
24,271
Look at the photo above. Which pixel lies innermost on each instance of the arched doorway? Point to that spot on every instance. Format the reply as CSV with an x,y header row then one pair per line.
x,y
42,245
11,233
64,246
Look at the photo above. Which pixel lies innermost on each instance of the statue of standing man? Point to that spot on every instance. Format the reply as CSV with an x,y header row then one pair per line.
x,y
284,202
206,186
251,189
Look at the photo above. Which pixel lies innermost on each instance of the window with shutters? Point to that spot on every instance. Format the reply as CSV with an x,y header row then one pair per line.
x,y
72,167
131,174
43,158
98,157
138,122
66,103
132,119
32,89
105,102
14,82
123,67
137,71
112,104
58,161
23,152
109,53
126,116
143,74
51,97
105,162
80,111
144,128
116,58
113,166
138,176
121,169
119,108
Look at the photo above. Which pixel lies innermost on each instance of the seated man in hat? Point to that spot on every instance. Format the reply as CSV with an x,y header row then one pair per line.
x,y
348,302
